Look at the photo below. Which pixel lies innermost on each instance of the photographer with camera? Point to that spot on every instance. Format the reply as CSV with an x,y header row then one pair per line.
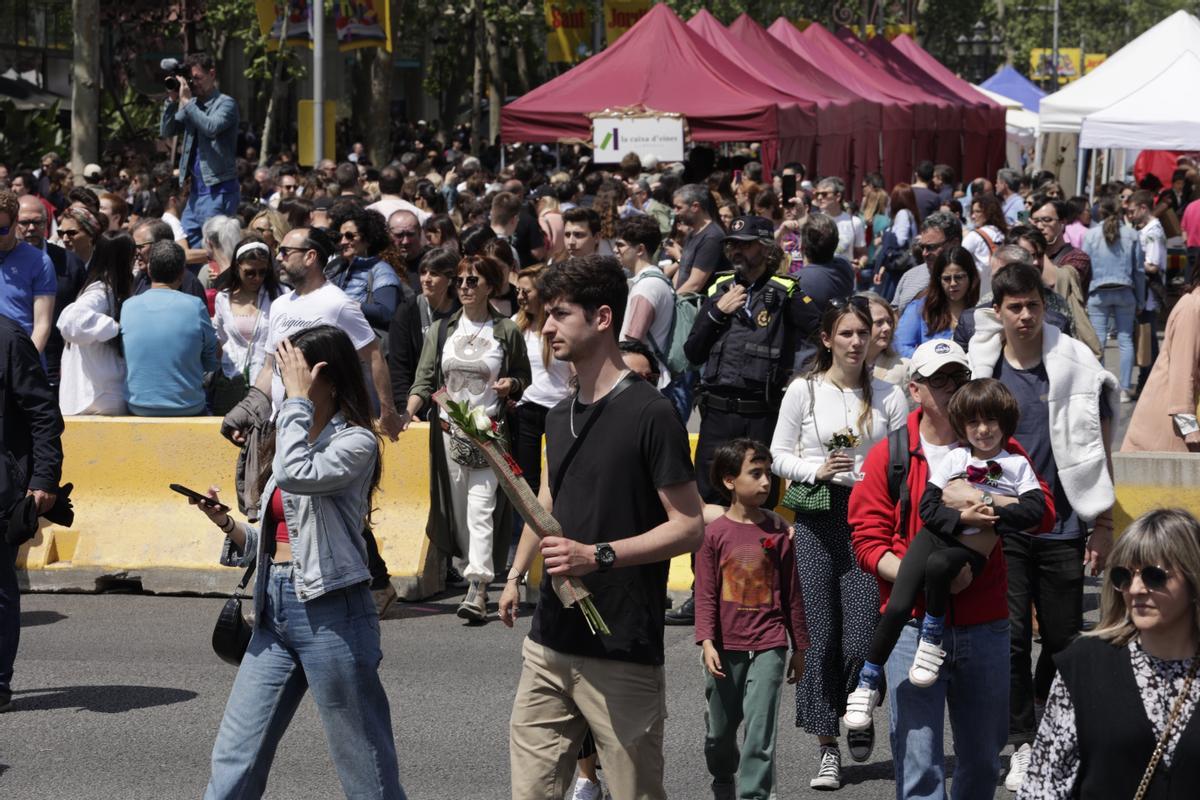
x,y
208,121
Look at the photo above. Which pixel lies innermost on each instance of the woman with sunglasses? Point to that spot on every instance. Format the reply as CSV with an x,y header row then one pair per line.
x,y
242,310
315,623
953,289
92,380
828,421
480,357
1119,718
358,270
78,228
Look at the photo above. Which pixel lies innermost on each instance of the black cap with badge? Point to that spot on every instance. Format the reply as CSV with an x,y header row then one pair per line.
x,y
751,228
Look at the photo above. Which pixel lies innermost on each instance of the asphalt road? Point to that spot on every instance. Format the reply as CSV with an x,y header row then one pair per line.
x,y
120,696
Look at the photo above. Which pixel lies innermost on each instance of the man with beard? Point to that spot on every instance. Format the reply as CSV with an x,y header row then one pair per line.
x,y
703,254
745,336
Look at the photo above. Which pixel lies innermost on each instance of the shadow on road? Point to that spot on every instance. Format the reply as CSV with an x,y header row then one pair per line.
x,y
31,619
101,699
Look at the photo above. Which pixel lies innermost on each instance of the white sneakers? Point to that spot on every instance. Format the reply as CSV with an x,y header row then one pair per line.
x,y
859,705
586,790
1018,765
926,664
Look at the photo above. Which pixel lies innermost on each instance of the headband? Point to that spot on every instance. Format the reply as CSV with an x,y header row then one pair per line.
x,y
250,247
85,219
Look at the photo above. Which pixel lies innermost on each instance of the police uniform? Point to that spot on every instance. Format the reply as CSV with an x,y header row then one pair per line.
x,y
748,357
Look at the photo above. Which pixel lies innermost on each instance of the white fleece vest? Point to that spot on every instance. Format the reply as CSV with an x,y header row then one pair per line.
x,y
1076,382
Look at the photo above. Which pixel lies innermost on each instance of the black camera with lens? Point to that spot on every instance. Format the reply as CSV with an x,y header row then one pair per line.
x,y
176,71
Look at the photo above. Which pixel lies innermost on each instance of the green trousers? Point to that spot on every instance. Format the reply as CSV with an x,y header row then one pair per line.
x,y
748,693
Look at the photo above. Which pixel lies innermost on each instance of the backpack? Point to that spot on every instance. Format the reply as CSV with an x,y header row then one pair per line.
x,y
898,462
686,307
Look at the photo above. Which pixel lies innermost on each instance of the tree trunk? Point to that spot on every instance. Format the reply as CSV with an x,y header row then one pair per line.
x,y
85,89
522,61
477,84
495,80
379,103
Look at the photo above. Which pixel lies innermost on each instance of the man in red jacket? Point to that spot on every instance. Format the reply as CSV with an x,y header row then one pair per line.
x,y
974,680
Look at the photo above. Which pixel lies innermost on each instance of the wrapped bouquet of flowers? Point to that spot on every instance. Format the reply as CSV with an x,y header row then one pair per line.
x,y
843,440
476,425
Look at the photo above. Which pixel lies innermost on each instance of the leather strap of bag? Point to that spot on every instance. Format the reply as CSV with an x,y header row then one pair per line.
x,y
621,386
245,579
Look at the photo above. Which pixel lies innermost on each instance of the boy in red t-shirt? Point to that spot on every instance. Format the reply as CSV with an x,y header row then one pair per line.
x,y
748,606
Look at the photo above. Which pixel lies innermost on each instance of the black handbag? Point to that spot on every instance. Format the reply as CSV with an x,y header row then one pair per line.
x,y
231,636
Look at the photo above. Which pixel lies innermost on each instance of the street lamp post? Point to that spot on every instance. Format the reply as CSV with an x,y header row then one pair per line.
x,y
979,51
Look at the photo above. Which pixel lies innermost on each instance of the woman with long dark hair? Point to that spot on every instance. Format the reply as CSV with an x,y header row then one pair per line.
x,y
92,380
1120,718
828,421
990,228
440,232
242,311
953,289
315,623
358,270
906,219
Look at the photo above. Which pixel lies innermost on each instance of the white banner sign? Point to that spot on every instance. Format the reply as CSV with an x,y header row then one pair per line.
x,y
614,137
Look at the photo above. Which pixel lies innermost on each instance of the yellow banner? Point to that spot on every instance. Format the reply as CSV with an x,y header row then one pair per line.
x,y
621,15
271,17
1093,60
568,30
1070,63
362,23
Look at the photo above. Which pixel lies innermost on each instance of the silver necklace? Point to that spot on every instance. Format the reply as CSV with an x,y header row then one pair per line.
x,y
575,400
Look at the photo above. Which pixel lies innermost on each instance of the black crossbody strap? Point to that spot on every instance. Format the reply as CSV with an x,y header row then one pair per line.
x,y
621,386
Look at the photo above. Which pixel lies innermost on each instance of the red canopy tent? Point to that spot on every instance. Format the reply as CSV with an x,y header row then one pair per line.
x,y
982,155
904,112
945,143
661,64
847,150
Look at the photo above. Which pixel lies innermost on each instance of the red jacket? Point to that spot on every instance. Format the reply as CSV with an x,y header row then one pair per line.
x,y
875,522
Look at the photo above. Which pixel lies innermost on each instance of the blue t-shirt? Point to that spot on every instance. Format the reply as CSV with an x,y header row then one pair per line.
x,y
169,345
25,273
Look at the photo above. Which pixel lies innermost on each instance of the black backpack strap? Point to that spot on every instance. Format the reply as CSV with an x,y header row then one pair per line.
x,y
899,458
621,386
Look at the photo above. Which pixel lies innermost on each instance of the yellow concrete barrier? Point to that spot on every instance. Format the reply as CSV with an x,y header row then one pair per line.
x,y
130,526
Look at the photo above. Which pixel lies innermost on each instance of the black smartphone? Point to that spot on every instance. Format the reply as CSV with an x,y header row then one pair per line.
x,y
737,177
788,188
199,498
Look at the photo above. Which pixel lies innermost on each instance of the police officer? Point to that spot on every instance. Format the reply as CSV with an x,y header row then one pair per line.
x,y
745,335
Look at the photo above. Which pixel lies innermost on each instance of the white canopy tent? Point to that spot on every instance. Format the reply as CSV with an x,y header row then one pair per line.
x,y
1020,126
1122,74
1156,116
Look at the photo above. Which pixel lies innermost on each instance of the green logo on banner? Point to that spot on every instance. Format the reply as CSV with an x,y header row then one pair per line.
x,y
608,137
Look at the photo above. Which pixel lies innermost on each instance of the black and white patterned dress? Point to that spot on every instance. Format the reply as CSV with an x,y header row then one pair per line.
x,y
1054,763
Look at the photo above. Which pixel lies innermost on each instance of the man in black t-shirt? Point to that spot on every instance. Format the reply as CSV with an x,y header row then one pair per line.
x,y
704,251
621,484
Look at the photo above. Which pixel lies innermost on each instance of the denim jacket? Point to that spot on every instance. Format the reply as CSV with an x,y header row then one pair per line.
x,y
325,488
1116,264
215,119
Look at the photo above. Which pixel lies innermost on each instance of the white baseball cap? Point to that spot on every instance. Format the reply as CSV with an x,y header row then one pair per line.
x,y
935,354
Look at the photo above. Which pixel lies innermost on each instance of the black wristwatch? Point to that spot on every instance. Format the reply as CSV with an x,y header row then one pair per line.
x,y
605,557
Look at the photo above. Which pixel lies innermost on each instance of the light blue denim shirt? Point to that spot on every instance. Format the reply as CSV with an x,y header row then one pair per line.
x,y
1116,264
215,118
325,487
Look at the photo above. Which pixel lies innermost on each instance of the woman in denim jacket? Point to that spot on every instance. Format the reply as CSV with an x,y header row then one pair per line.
x,y
1118,289
315,624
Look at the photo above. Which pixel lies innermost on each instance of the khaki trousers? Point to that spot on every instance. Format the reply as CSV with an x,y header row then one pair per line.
x,y
559,697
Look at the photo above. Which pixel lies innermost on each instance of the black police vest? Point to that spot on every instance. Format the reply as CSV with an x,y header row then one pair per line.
x,y
749,354
1116,739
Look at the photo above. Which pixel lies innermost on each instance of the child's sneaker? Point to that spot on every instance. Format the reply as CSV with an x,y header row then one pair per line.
x,y
926,664
859,705
829,774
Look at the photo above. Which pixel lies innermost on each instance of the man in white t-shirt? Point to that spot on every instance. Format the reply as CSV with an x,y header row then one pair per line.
x,y
852,234
1153,240
650,310
390,184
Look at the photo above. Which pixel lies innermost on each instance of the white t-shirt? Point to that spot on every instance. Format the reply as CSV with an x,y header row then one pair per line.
x,y
654,287
390,205
851,234
550,385
471,363
976,242
804,430
1003,474
1153,239
935,453
176,226
328,305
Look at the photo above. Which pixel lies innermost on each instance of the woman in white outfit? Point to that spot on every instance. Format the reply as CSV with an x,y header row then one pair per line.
x,y
93,368
241,313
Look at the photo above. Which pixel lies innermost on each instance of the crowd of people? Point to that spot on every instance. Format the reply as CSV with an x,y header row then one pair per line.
x,y
916,374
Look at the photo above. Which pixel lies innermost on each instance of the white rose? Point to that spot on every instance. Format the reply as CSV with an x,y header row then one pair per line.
x,y
480,420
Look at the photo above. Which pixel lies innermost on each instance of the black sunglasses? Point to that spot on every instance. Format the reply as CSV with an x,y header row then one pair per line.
x,y
861,303
284,252
1153,578
470,281
945,380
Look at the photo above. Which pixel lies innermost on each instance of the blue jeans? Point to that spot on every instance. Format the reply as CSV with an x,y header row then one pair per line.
x,y
1119,304
201,208
331,645
10,614
974,682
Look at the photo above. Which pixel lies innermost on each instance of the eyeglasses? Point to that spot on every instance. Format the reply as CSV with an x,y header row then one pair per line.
x,y
823,193
403,234
348,236
469,281
861,303
30,223
945,380
1043,220
137,248
954,277
926,249
284,252
1153,578
254,273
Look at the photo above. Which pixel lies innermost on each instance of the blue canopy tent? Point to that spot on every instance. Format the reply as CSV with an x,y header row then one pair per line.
x,y
1011,83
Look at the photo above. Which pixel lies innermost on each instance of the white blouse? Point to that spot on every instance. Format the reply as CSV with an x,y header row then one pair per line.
x,y
802,435
92,380
237,350
550,385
